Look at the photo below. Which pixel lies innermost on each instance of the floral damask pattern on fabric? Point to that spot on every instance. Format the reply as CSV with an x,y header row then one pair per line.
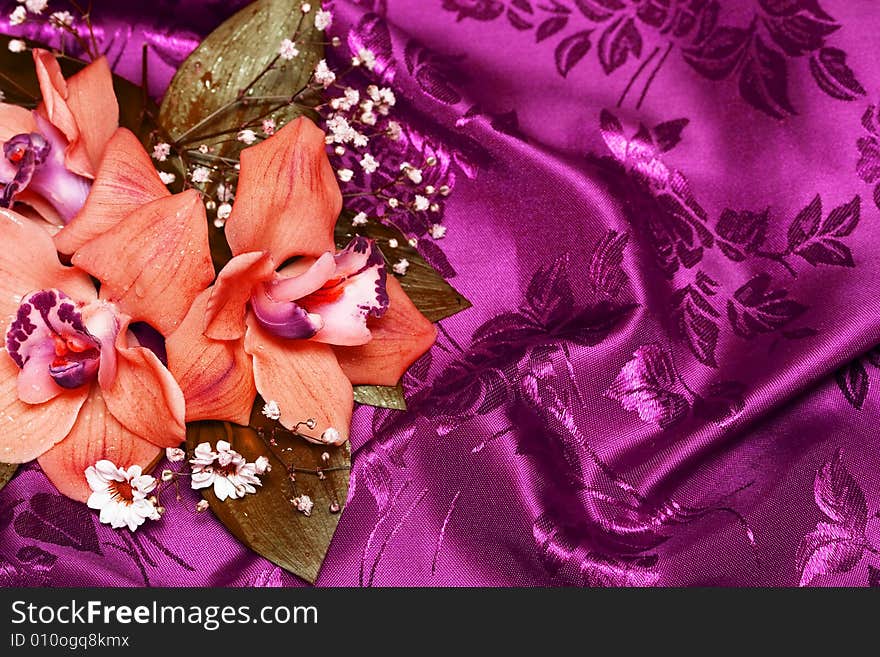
x,y
757,54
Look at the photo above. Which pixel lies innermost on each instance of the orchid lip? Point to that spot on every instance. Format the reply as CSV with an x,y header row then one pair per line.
x,y
50,329
284,319
38,160
27,153
74,373
330,300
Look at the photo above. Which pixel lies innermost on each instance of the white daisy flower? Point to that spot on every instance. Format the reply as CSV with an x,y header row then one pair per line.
x,y
121,495
227,471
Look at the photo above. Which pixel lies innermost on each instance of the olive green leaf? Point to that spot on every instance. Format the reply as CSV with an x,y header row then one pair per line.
x,y
7,471
381,396
267,521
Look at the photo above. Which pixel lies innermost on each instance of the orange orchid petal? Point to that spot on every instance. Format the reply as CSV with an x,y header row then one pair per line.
x,y
303,378
28,262
96,435
15,120
216,376
227,307
144,396
28,430
399,338
295,214
125,181
155,262
83,108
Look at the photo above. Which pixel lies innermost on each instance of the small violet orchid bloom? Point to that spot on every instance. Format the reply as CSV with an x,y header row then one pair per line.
x,y
300,335
51,155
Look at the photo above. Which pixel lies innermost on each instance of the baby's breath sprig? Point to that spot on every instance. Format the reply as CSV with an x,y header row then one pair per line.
x,y
198,150
63,21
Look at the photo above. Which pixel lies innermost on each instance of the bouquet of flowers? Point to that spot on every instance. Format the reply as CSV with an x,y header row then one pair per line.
x,y
184,282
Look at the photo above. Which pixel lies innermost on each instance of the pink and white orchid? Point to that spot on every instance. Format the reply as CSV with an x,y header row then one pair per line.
x,y
301,335
51,155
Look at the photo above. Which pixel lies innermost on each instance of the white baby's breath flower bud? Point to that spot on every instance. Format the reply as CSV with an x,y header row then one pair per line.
x,y
331,436
369,163
201,175
18,16
271,410
359,219
345,175
303,504
421,203
393,130
174,454
437,231
223,211
323,20
288,50
161,151
367,57
61,19
17,45
401,266
167,178
324,76
247,136
36,6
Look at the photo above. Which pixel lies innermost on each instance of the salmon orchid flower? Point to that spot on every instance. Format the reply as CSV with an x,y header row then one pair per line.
x,y
82,377
50,156
301,333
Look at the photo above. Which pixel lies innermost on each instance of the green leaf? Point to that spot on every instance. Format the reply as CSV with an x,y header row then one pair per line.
x,y
208,93
266,521
381,396
7,471
429,291
18,82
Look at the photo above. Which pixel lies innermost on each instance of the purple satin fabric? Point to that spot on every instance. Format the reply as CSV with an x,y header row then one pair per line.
x,y
667,375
